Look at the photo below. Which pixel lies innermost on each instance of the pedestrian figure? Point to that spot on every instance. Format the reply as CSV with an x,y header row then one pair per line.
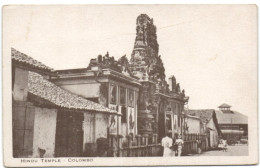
x,y
220,145
199,146
179,142
175,148
167,144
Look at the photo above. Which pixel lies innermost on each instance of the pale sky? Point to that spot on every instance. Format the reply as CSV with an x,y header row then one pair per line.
x,y
211,50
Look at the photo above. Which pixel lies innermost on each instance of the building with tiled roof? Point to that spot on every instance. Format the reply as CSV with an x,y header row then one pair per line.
x,y
209,123
20,58
39,86
231,117
108,82
49,121
233,124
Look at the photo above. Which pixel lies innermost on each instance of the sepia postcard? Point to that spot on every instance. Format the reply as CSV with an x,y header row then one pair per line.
x,y
129,85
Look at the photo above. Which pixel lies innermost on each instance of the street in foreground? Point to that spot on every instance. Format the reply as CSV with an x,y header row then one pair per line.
x,y
237,150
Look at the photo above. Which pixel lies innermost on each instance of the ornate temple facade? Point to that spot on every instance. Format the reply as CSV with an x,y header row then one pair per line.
x,y
109,83
160,104
137,89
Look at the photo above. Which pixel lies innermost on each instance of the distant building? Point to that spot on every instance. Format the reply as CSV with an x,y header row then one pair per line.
x,y
193,125
208,125
233,125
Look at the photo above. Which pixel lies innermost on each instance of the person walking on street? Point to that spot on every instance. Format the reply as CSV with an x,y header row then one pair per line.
x,y
199,146
175,148
167,144
220,145
179,142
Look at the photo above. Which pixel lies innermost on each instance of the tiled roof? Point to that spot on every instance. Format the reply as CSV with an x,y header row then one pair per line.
x,y
27,60
231,118
45,89
224,105
204,114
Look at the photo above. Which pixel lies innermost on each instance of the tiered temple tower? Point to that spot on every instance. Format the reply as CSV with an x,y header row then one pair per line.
x,y
145,62
157,104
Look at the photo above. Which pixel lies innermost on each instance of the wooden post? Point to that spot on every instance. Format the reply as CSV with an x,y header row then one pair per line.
x,y
139,143
120,145
108,136
113,146
146,139
155,138
128,141
138,138
146,144
128,137
143,140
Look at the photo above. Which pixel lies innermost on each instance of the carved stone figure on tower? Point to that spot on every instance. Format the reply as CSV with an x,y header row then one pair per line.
x,y
178,89
183,92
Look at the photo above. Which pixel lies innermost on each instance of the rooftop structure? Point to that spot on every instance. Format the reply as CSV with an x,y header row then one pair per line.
x,y
231,118
38,86
224,107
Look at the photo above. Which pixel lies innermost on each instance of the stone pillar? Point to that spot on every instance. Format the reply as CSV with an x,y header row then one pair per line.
x,y
145,139
139,140
155,138
129,140
119,139
119,145
139,143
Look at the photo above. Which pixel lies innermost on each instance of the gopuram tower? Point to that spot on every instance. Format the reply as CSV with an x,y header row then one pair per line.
x,y
144,59
155,97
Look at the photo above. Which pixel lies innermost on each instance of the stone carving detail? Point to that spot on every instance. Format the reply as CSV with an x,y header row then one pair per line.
x,y
106,61
172,83
178,89
144,58
183,92
145,63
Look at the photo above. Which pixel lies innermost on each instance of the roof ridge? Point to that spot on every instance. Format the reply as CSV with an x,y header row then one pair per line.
x,y
224,105
197,109
23,58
